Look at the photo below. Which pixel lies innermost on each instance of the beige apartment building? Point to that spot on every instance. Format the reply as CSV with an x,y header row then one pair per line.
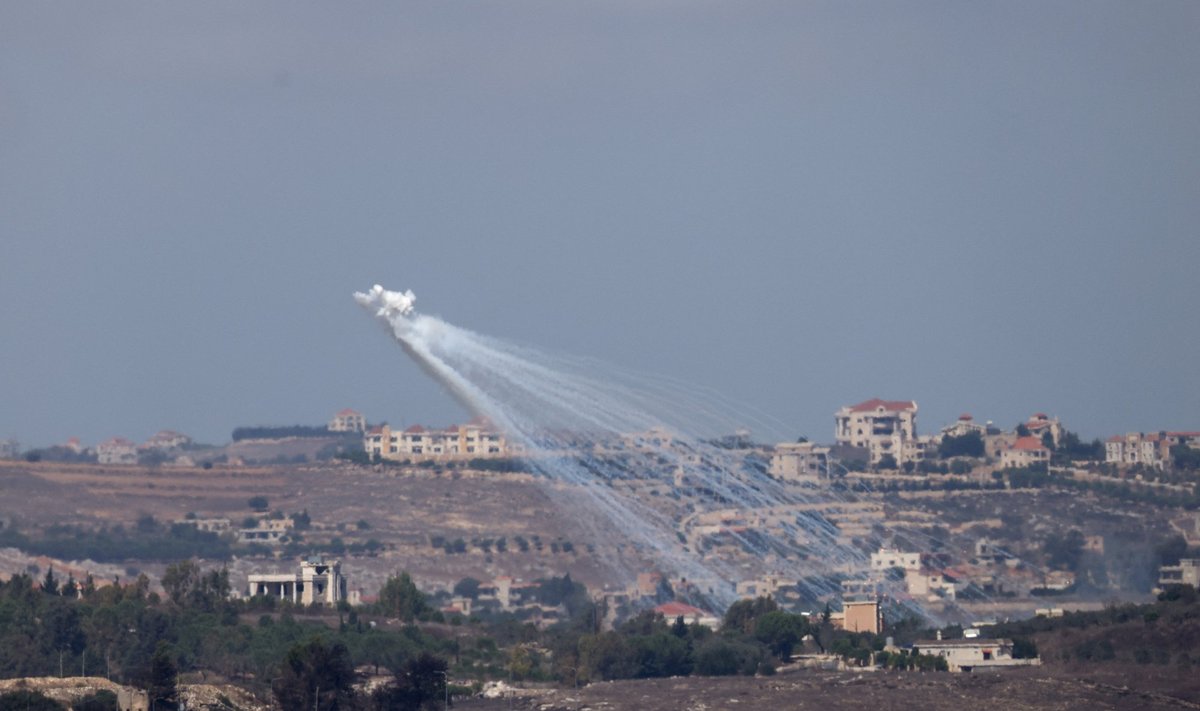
x,y
348,421
882,427
477,438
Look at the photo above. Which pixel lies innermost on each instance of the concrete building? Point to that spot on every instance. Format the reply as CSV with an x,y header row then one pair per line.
x,y
799,462
117,450
211,525
348,421
963,655
9,449
1026,451
883,427
266,531
887,558
316,583
1186,573
862,617
476,439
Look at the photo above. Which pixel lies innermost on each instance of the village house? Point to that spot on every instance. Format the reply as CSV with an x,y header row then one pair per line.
x,y
887,558
1041,424
859,616
799,462
117,450
691,615
316,583
1025,452
166,440
1186,573
965,425
211,525
964,655
348,421
266,531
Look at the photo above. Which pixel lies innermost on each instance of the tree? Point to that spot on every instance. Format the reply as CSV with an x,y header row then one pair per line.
x,y
1185,458
419,682
606,656
258,503
163,691
1170,550
28,700
965,445
316,675
1064,552
743,614
400,598
467,587
50,583
887,461
1024,648
781,632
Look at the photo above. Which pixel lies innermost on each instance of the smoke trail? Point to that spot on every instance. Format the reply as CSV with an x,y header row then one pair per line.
x,y
613,435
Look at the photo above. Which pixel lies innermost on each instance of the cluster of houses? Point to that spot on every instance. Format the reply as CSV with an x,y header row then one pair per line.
x,y
884,432
119,450
1151,450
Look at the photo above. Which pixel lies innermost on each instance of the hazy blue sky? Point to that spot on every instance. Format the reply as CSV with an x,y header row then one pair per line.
x,y
989,207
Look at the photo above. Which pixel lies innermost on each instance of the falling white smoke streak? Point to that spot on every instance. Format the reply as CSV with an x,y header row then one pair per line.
x,y
545,403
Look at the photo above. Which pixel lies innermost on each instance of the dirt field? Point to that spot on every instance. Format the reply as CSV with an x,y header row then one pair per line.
x,y
1055,688
404,511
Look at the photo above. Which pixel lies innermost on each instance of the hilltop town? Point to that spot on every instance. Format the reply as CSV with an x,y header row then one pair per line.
x,y
972,526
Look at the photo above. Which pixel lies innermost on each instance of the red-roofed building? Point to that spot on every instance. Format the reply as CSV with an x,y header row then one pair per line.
x,y
1041,423
1026,451
691,615
1151,450
883,427
166,440
348,421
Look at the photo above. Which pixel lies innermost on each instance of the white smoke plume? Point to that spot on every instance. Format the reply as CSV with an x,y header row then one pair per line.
x,y
575,419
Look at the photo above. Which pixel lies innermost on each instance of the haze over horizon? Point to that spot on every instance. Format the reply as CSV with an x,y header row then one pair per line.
x,y
989,208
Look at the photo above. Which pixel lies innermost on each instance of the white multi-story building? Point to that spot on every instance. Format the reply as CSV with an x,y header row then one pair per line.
x,y
316,583
883,427
348,421
117,450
